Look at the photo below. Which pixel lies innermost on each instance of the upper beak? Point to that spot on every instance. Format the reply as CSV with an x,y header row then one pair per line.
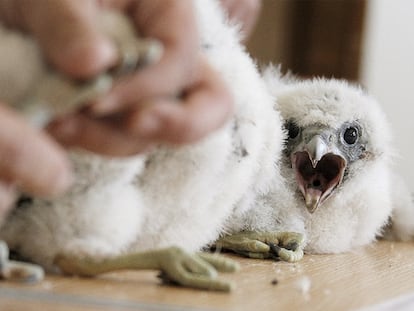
x,y
319,170
316,149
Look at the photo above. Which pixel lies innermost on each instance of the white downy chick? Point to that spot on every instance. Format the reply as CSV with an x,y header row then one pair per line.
x,y
171,197
340,188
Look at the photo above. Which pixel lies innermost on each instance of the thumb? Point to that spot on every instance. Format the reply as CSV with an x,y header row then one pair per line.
x,y
30,159
69,33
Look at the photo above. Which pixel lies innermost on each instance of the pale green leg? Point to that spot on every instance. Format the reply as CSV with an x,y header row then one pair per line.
x,y
16,271
191,270
287,246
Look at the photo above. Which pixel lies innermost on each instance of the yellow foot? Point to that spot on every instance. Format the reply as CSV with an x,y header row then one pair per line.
x,y
16,271
176,265
287,246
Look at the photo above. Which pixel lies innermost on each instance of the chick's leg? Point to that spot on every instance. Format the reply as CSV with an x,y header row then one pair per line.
x,y
191,270
287,246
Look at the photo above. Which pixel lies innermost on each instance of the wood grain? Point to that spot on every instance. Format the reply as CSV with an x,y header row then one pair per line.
x,y
319,282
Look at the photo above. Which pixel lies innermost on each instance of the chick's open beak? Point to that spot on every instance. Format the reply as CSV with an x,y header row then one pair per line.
x,y
318,171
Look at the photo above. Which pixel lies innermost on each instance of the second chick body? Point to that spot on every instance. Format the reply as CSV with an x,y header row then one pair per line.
x,y
339,187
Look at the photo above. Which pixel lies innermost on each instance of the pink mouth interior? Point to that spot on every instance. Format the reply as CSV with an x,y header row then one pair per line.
x,y
317,183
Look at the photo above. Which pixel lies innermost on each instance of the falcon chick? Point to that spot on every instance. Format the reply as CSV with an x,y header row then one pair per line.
x,y
339,188
151,211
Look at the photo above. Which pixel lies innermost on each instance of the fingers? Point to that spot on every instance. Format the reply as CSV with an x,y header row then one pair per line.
x,y
29,159
82,51
68,32
206,107
96,136
7,198
172,23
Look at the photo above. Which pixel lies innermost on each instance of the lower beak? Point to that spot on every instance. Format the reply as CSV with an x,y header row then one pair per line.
x,y
318,172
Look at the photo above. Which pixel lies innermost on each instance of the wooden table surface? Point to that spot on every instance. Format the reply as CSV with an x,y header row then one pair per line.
x,y
350,281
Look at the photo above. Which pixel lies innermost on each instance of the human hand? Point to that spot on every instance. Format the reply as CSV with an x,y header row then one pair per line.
x,y
178,100
29,161
245,12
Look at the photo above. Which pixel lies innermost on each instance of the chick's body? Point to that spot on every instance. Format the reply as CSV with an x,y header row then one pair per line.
x,y
353,203
173,196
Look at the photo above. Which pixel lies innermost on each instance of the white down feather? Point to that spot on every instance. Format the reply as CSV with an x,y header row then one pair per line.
x,y
172,196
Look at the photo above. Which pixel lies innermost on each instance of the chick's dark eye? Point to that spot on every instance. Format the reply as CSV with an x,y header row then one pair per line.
x,y
351,135
293,130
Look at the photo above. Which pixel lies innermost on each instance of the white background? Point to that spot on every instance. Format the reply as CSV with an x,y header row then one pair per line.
x,y
388,72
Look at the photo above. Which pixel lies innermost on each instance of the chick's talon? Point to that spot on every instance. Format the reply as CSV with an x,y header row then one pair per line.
x,y
286,246
17,271
198,270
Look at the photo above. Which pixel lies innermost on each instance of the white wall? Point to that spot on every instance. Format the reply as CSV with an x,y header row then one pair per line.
x,y
388,71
